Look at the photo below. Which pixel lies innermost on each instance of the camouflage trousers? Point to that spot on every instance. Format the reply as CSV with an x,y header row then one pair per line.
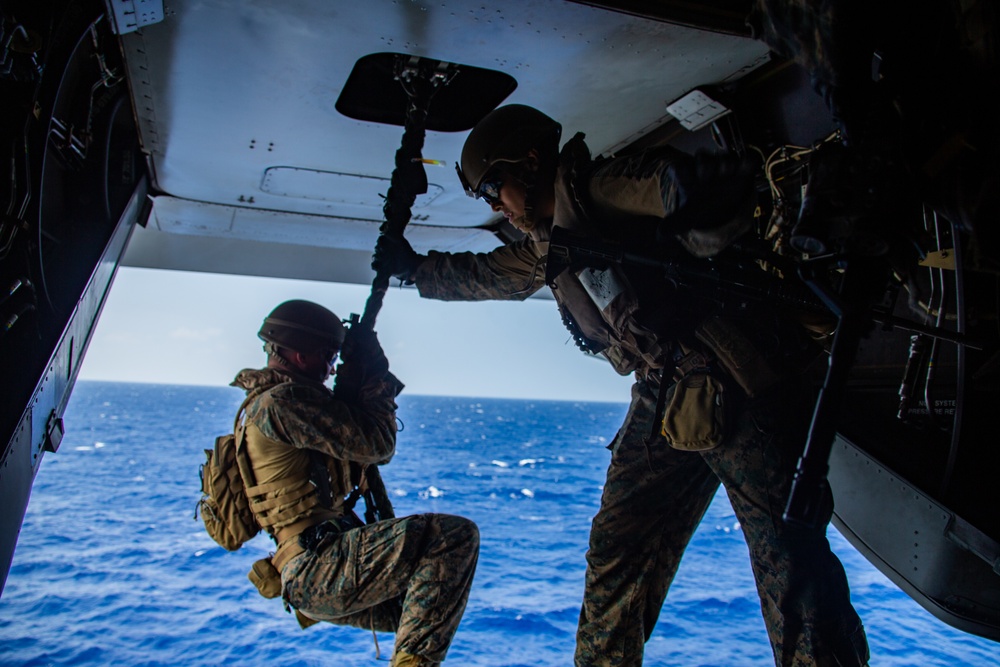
x,y
409,575
654,500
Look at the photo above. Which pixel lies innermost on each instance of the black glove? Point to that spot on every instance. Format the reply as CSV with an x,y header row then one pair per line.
x,y
361,351
395,255
706,191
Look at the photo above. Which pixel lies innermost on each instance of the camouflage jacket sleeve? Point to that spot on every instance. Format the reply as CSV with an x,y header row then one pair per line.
x,y
312,417
511,272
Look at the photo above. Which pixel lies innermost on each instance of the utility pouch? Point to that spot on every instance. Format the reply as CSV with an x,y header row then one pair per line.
x,y
266,578
695,419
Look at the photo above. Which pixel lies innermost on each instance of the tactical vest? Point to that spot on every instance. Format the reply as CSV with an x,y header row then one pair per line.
x,y
312,491
598,305
604,307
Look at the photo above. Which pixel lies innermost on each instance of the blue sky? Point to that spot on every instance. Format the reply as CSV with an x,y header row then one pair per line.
x,y
197,328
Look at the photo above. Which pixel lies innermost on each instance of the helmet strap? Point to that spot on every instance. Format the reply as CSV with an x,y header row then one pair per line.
x,y
530,196
528,178
274,357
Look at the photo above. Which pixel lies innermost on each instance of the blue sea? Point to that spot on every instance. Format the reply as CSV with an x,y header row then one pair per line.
x,y
112,569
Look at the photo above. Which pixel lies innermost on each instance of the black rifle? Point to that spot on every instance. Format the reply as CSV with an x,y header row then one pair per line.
x,y
734,272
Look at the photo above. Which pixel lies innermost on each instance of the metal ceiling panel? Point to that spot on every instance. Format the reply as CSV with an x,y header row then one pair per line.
x,y
236,105
227,91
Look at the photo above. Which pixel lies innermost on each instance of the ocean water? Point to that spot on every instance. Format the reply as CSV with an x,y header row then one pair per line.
x,y
111,568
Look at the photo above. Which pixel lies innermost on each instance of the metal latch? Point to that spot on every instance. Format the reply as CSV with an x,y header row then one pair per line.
x,y
54,432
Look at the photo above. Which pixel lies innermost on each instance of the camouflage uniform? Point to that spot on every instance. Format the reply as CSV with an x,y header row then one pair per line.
x,y
655,496
406,575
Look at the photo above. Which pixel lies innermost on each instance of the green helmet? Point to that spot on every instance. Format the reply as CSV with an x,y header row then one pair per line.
x,y
505,134
303,326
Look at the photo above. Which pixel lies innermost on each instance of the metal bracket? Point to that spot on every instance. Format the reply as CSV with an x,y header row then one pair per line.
x,y
54,432
940,259
130,15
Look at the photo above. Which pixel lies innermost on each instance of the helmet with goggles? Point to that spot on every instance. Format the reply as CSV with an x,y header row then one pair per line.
x,y
505,135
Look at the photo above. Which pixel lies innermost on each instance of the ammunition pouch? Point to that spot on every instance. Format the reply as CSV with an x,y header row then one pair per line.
x,y
266,578
697,415
266,572
695,418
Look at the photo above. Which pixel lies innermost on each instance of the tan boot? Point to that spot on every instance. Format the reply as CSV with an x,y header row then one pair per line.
x,y
400,659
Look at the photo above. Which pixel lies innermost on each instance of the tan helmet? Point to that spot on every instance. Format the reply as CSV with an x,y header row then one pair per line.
x,y
505,134
303,326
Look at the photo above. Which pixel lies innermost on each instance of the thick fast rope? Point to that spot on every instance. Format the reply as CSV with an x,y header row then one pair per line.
x,y
408,177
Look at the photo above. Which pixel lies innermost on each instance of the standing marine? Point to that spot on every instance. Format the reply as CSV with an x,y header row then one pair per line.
x,y
734,406
313,452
